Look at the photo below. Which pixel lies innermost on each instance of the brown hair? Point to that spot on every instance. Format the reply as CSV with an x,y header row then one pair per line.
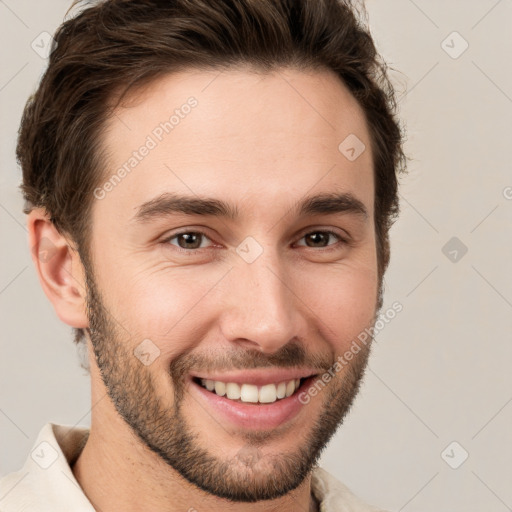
x,y
116,44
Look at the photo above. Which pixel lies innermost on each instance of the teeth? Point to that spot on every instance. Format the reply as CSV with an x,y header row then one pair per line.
x,y
220,388
233,391
268,394
281,390
290,388
250,393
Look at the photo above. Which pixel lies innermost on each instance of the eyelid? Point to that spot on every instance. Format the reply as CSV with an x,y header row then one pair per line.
x,y
343,239
196,231
340,233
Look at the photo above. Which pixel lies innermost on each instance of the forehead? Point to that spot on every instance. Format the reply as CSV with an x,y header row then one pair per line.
x,y
237,133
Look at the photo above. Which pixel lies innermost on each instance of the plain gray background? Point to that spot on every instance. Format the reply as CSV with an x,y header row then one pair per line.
x,y
440,371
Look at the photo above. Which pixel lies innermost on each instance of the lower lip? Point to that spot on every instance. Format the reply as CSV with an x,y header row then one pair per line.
x,y
253,416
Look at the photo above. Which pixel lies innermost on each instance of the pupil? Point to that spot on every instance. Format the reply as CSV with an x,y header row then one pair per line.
x,y
318,235
187,237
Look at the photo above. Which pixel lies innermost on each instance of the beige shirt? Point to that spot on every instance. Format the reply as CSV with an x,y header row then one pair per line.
x,y
47,484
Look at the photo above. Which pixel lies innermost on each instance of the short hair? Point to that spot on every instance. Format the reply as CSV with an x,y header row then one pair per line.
x,y
114,45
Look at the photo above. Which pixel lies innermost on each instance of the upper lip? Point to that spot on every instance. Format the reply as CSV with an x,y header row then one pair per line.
x,y
257,377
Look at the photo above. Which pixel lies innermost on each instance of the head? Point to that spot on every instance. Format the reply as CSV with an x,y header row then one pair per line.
x,y
214,184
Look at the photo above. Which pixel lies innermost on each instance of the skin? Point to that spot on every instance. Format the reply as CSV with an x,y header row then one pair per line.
x,y
262,142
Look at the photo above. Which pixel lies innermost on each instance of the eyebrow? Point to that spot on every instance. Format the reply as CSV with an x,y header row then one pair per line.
x,y
168,204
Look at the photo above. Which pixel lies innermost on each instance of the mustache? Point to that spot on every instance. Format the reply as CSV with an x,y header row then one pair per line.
x,y
291,355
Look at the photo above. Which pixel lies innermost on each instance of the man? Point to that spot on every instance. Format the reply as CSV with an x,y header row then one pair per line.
x,y
209,187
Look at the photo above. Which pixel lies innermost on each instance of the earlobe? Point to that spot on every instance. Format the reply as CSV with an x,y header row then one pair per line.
x,y
59,269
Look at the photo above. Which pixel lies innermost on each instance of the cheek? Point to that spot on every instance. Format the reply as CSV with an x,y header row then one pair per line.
x,y
182,303
343,298
170,303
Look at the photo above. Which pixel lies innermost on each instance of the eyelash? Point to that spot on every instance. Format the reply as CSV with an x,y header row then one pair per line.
x,y
331,247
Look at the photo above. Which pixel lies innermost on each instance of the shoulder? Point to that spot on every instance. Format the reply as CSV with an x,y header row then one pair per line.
x,y
46,483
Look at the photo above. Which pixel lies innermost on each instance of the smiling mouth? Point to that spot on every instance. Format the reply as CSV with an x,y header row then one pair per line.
x,y
252,394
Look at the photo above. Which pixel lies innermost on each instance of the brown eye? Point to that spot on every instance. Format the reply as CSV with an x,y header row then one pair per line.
x,y
320,238
188,240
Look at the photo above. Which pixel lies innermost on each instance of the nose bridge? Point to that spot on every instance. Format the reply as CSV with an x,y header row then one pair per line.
x,y
260,306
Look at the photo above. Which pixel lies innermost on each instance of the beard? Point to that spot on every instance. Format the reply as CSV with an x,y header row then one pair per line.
x,y
249,475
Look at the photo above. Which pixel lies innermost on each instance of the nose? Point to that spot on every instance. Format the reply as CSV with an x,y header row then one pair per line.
x,y
259,307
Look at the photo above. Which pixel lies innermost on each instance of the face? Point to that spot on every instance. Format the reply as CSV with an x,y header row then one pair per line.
x,y
273,277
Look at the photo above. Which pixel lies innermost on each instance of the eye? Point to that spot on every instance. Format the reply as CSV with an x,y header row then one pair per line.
x,y
188,240
320,238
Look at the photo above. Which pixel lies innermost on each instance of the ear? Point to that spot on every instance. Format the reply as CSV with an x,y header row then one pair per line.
x,y
59,268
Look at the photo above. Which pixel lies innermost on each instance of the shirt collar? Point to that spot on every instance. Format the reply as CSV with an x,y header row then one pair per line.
x,y
46,482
